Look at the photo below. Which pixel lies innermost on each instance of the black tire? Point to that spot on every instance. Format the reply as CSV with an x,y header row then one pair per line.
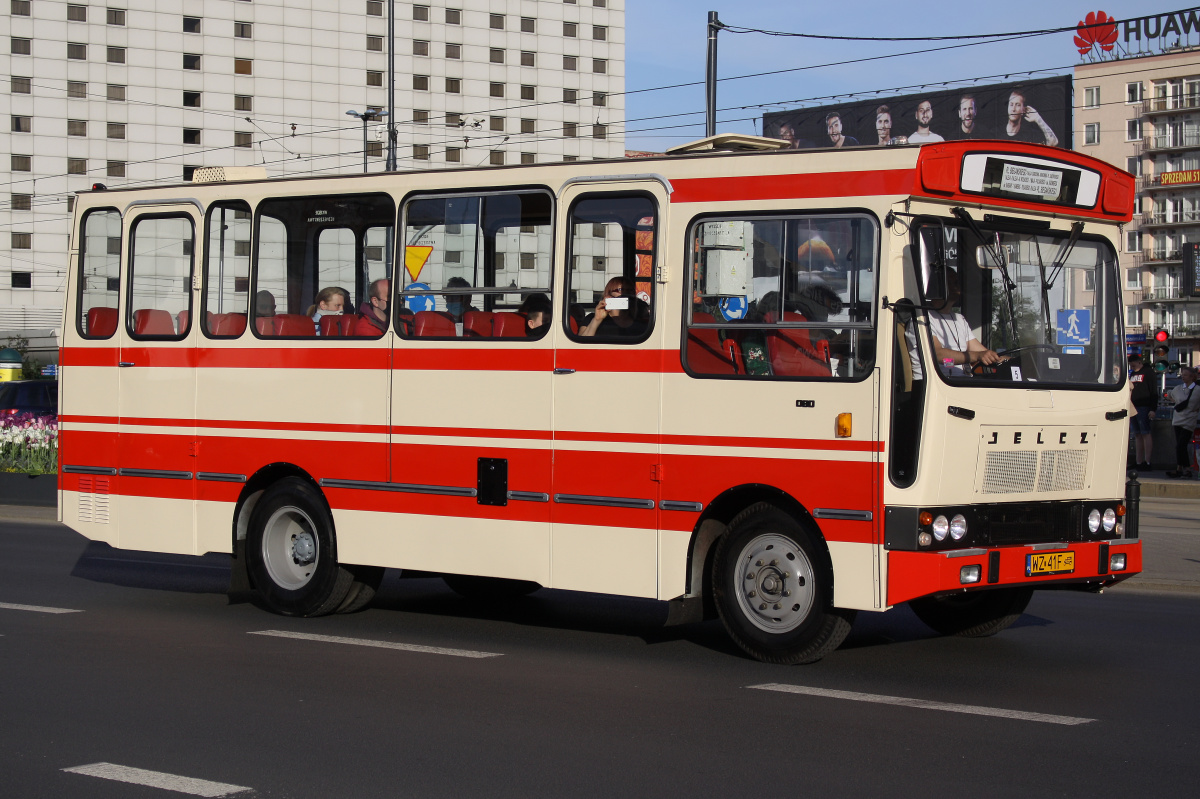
x,y
366,582
488,588
292,553
975,614
773,589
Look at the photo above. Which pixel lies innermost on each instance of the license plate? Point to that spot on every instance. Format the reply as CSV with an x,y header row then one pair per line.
x,y
1039,563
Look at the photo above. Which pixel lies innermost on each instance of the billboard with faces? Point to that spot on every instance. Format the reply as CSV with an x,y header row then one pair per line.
x,y
1037,111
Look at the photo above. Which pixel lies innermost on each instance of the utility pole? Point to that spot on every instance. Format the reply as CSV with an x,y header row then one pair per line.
x,y
710,77
391,128
366,117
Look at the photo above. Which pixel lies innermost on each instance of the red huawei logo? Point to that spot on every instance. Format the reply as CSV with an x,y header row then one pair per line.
x,y
1097,28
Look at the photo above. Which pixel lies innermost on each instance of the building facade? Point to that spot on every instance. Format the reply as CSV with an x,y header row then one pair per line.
x,y
142,92
1143,114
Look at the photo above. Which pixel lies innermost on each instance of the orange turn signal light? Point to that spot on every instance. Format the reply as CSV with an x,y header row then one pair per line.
x,y
1120,510
843,425
925,519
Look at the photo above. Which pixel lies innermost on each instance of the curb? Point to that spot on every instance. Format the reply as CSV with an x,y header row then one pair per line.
x,y
1169,489
28,513
1135,586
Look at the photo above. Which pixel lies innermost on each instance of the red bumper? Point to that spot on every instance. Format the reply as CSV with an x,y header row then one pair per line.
x,y
916,574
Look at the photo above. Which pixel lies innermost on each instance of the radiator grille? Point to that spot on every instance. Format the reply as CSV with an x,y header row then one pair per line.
x,y
1010,472
1062,470
93,499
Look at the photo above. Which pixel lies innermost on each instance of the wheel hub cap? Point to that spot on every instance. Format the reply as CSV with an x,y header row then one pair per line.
x,y
290,549
775,590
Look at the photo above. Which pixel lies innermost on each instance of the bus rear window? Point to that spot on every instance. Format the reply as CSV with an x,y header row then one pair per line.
x,y
99,273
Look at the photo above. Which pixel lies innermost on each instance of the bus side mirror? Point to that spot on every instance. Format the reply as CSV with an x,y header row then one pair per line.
x,y
933,263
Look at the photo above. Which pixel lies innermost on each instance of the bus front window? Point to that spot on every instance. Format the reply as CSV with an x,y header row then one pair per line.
x,y
1046,302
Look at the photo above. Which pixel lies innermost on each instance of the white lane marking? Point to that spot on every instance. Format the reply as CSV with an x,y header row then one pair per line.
x,y
926,704
157,779
337,639
37,608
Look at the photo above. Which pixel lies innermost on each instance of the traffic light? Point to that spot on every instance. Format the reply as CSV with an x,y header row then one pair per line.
x,y
1161,337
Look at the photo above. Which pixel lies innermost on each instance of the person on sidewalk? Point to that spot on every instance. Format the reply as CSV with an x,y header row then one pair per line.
x,y
1187,408
1144,400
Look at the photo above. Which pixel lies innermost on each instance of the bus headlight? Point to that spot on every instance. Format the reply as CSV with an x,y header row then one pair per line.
x,y
1116,562
969,574
958,527
941,526
1094,520
1110,520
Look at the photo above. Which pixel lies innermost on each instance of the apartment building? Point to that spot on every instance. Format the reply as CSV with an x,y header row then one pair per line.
x,y
1143,114
142,92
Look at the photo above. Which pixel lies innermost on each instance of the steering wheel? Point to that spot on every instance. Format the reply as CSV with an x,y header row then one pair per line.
x,y
1008,354
989,370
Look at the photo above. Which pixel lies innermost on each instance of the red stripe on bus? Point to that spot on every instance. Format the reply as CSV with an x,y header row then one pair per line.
x,y
88,356
779,187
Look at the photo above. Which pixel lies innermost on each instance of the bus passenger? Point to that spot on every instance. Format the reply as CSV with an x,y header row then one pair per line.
x,y
627,321
536,310
264,304
330,302
373,314
457,305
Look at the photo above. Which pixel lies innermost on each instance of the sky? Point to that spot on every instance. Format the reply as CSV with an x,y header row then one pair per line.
x,y
666,44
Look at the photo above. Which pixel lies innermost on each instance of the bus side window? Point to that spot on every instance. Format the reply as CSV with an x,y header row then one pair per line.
x,y
227,269
160,277
782,297
610,285
99,274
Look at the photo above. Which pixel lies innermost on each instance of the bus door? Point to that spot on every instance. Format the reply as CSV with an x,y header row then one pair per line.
x,y
157,380
607,389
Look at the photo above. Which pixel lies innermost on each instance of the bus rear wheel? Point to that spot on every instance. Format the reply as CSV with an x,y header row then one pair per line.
x,y
773,590
291,551
977,614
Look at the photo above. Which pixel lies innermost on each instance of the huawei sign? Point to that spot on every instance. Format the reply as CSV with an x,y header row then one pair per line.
x,y
1096,29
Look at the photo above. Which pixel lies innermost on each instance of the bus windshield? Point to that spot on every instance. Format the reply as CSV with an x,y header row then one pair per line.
x,y
1047,302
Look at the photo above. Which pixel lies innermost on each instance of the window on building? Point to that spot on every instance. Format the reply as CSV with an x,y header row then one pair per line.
x,y
115,16
453,155
528,25
600,33
191,24
528,59
375,8
243,30
76,51
116,55
496,89
420,47
599,3
243,139
21,163
191,135
496,21
496,158
570,130
76,166
22,241
599,131
375,149
243,66
420,82
189,171
1091,97
70,203
22,124
115,169
496,123
454,120
570,95
453,16
527,92
22,280
496,55
421,13
1133,278
375,43
76,127
22,202
191,99
1133,92
19,46
453,51
420,117
599,66
21,85
599,99
191,61
115,91
1133,165
1091,133
1133,129
453,86
76,89
570,63
1133,243
1133,314
20,8
76,13
243,102
376,79
570,30
528,158
115,130
528,126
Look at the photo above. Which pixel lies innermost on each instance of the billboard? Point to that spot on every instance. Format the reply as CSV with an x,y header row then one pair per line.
x,y
1037,111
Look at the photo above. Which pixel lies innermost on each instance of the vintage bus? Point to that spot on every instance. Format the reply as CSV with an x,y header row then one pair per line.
x,y
732,377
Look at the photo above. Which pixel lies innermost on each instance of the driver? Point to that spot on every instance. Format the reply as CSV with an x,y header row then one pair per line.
x,y
955,346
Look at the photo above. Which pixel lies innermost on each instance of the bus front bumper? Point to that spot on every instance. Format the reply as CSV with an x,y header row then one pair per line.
x,y
1091,564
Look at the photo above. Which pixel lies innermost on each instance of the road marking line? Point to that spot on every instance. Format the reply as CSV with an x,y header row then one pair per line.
x,y
337,639
37,608
976,710
157,779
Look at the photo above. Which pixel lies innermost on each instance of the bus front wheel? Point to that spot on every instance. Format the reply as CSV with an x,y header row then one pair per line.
x,y
977,614
291,552
773,590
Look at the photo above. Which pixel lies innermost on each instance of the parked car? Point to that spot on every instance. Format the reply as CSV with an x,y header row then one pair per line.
x,y
29,396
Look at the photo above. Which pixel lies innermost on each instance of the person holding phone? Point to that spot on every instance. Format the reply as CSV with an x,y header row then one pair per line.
x,y
619,314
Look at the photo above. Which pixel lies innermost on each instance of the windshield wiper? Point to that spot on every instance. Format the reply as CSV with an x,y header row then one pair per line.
x,y
993,250
1064,252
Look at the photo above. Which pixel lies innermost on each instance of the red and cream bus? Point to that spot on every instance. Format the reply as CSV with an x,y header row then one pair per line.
x,y
715,378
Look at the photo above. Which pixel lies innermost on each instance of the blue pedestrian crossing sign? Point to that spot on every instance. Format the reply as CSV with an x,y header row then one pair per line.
x,y
421,302
1074,327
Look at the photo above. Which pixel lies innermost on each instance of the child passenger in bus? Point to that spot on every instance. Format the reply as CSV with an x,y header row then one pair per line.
x,y
536,310
331,301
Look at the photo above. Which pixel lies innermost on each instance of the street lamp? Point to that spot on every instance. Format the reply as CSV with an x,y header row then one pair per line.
x,y
367,117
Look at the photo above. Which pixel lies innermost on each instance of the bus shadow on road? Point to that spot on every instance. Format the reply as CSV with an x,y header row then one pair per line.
x,y
202,574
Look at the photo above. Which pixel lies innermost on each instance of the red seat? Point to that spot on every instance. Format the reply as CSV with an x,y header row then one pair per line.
x,y
294,324
101,321
707,354
404,321
265,325
477,324
336,325
428,324
183,317
793,353
227,324
153,322
509,325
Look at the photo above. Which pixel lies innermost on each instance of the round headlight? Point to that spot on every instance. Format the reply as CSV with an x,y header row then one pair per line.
x,y
1094,520
940,527
1110,520
958,526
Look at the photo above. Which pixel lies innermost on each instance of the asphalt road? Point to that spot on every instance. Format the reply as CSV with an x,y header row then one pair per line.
x,y
583,695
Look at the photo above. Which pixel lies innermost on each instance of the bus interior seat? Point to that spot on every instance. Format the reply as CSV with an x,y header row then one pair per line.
x,y
509,325
102,321
404,320
792,351
434,324
337,325
153,322
265,325
294,324
707,354
227,324
477,324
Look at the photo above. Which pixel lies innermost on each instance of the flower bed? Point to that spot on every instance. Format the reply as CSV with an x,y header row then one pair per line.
x,y
29,444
